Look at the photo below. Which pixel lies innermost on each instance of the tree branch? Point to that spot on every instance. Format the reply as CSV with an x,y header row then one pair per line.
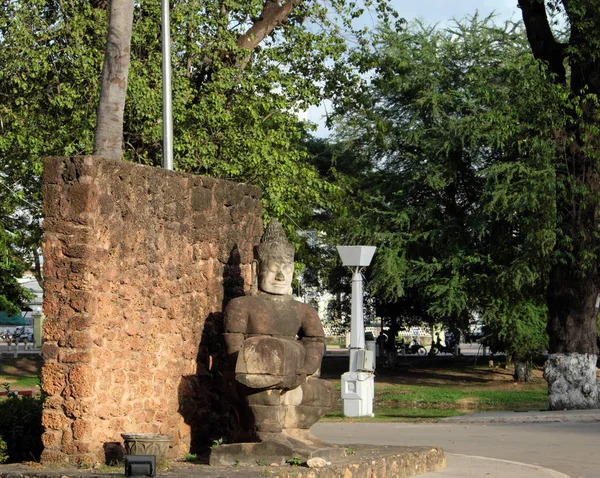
x,y
543,44
272,15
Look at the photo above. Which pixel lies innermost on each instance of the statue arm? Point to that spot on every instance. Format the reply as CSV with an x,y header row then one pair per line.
x,y
236,326
313,340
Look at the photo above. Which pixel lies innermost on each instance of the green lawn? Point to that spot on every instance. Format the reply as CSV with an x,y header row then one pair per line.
x,y
444,389
445,397
19,383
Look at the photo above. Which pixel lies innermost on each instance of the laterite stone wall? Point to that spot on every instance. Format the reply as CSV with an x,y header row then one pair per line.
x,y
139,263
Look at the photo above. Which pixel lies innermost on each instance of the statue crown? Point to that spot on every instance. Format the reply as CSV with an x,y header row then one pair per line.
x,y
274,242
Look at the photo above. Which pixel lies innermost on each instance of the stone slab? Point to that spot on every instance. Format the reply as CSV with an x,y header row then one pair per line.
x,y
249,454
367,461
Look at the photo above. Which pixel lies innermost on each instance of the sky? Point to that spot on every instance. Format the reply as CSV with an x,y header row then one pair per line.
x,y
434,11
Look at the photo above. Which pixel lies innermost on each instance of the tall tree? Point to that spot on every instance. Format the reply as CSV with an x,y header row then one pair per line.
x,y
108,139
574,281
458,191
235,101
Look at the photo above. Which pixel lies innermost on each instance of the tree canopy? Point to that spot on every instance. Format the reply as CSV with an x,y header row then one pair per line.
x,y
453,151
238,86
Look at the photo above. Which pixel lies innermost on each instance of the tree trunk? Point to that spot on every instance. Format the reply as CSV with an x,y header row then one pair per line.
x,y
109,121
522,371
572,322
573,290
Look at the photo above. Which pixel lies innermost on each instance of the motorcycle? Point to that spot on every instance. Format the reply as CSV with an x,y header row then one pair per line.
x,y
413,348
450,348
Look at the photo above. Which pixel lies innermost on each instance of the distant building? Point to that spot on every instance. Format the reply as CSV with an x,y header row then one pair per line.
x,y
29,282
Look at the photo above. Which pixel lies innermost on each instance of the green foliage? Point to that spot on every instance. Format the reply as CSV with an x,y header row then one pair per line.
x,y
348,451
21,427
234,109
294,461
452,150
190,457
217,442
3,454
517,328
262,462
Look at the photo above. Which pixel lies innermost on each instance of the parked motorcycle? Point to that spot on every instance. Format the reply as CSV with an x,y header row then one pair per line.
x,y
448,348
413,348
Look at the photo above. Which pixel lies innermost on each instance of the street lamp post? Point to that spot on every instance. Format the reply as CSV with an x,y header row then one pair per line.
x,y
358,385
167,159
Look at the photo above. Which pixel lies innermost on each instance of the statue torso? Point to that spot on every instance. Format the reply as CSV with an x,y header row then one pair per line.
x,y
279,316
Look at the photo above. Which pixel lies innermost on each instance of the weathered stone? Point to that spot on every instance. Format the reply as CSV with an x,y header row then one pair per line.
x,y
82,429
84,198
53,379
131,283
54,420
201,199
49,350
316,462
81,379
572,382
74,356
51,438
271,372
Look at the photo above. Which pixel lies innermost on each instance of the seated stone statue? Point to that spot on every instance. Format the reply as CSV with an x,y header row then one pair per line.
x,y
275,345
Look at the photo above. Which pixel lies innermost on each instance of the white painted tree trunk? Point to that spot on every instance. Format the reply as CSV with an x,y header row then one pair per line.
x,y
572,382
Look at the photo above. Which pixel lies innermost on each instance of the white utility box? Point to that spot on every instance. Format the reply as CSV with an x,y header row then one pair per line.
x,y
358,392
365,361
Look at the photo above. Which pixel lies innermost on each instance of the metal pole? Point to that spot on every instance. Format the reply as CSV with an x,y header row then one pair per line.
x,y
167,159
357,326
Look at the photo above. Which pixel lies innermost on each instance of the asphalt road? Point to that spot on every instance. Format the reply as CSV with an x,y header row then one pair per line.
x,y
571,448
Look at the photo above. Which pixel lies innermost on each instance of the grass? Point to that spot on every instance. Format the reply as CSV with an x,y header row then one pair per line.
x,y
428,396
417,403
420,390
427,390
395,414
20,382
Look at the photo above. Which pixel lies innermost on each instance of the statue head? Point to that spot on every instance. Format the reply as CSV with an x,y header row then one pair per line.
x,y
275,261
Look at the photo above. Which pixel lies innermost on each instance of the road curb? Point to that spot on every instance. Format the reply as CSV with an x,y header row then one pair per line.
x,y
555,416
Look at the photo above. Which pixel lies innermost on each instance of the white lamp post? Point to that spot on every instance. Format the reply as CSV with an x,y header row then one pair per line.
x,y
358,386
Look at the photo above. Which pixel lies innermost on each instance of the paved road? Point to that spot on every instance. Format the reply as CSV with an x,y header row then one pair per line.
x,y
570,448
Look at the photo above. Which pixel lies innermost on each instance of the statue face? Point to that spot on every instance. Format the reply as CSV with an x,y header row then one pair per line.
x,y
275,275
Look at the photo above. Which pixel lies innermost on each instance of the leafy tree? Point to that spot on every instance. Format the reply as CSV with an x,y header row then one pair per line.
x,y
574,281
458,193
12,295
237,86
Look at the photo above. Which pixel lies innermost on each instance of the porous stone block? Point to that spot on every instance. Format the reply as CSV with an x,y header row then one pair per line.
x,y
130,286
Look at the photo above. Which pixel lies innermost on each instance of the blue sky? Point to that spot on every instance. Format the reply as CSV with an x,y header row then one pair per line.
x,y
436,11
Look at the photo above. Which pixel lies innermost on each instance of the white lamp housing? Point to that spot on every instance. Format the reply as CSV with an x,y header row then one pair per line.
x,y
356,256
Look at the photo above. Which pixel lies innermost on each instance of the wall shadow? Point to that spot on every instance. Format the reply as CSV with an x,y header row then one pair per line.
x,y
203,403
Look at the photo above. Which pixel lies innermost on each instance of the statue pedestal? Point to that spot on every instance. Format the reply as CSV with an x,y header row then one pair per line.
x,y
268,453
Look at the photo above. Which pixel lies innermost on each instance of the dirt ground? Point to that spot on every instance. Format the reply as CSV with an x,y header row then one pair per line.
x,y
440,371
13,368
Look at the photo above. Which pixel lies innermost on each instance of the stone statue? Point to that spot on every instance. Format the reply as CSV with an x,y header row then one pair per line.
x,y
274,346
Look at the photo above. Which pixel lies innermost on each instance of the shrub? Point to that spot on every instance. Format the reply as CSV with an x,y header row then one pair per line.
x,y
21,427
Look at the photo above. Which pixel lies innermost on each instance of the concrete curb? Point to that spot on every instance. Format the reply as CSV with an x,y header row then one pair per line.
x,y
563,416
